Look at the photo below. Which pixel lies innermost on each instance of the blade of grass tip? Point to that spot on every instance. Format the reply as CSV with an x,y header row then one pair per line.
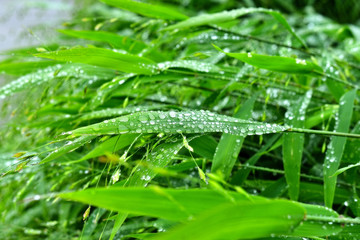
x,y
336,146
69,146
115,40
293,144
206,19
149,10
142,175
103,58
229,146
276,63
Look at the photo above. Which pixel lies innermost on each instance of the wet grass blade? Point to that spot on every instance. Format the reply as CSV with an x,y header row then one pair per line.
x,y
229,145
115,40
225,16
336,146
22,68
69,146
172,204
148,10
143,173
293,144
247,221
103,58
178,122
276,63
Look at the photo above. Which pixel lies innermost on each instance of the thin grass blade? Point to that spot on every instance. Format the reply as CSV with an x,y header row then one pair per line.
x,y
336,146
293,144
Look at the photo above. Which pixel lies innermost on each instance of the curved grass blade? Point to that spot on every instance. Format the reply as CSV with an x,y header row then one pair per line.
x,y
241,221
113,144
69,146
103,58
178,122
115,40
276,63
113,112
336,146
293,144
225,16
229,145
33,80
172,204
148,10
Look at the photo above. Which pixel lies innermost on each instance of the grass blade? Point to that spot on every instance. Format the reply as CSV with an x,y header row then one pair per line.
x,y
276,63
115,40
336,146
225,16
178,122
247,221
293,144
103,58
148,10
230,145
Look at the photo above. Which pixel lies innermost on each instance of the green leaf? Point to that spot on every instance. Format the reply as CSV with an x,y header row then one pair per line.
x,y
143,173
21,68
276,63
336,146
229,145
148,10
178,122
293,143
114,112
69,146
170,204
103,58
113,144
226,16
241,221
115,40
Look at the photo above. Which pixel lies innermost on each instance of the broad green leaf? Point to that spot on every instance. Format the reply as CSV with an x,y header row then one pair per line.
x,y
172,204
276,63
148,10
178,122
103,58
293,143
225,16
69,146
229,145
241,221
115,40
204,146
336,146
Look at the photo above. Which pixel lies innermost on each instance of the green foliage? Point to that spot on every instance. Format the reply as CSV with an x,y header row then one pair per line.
x,y
183,120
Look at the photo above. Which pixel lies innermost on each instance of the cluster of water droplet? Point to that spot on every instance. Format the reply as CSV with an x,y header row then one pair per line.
x,y
189,64
180,122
